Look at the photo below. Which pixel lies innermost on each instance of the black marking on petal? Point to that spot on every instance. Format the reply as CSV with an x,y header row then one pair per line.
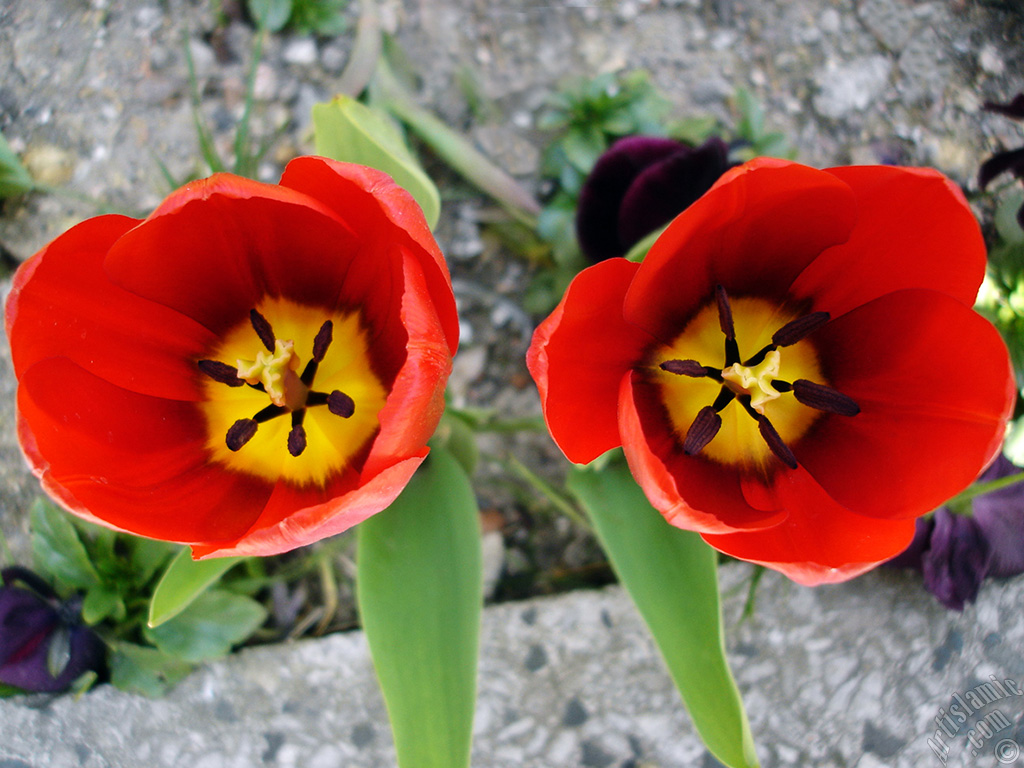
x,y
323,340
781,386
297,440
824,398
341,404
261,325
798,329
702,431
221,372
240,433
759,357
775,443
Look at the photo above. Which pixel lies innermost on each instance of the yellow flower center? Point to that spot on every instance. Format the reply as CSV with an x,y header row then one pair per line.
x,y
749,401
755,381
301,401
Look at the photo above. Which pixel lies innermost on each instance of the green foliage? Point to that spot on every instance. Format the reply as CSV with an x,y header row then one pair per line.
x,y
672,577
14,178
131,584
320,17
347,130
184,580
420,598
756,140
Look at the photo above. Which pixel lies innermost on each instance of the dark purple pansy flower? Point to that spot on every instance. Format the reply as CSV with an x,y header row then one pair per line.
x,y
640,184
956,552
1012,160
43,644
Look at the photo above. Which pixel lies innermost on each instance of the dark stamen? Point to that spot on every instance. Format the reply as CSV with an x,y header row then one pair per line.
x,y
270,412
323,340
297,434
724,313
701,432
823,398
240,433
320,344
221,372
781,386
725,396
297,440
340,404
796,330
774,441
263,329
686,368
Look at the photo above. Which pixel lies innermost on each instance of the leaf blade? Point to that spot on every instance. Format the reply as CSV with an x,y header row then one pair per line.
x,y
672,577
184,580
346,130
420,596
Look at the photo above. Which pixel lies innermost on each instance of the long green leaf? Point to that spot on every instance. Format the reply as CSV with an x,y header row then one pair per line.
x,y
184,580
347,130
672,577
420,597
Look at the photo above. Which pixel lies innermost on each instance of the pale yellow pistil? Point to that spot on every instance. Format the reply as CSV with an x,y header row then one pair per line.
x,y
755,381
276,372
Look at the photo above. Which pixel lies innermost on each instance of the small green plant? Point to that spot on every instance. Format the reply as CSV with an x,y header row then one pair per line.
x,y
318,17
123,578
14,178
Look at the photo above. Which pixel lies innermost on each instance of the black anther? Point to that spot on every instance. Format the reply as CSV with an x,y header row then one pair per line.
x,y
261,325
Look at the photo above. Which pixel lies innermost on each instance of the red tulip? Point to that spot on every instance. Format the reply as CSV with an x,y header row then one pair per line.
x,y
251,368
795,370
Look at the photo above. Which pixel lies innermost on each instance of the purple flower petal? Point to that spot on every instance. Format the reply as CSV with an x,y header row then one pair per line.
x,y
957,560
1001,162
1000,517
665,189
1014,109
605,188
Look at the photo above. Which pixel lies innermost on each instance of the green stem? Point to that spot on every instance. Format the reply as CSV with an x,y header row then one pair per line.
x,y
365,52
243,159
505,426
455,149
962,499
548,491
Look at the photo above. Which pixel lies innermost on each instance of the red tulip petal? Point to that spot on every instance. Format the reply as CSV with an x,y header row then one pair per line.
x,y
62,304
753,232
129,461
364,197
416,400
692,492
914,230
820,542
578,357
216,247
934,384
318,515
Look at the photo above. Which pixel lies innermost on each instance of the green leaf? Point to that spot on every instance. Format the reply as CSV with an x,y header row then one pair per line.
x,y
146,671
420,597
751,116
583,145
1006,217
351,132
56,549
14,178
147,556
270,15
101,602
183,581
209,627
672,577
639,251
